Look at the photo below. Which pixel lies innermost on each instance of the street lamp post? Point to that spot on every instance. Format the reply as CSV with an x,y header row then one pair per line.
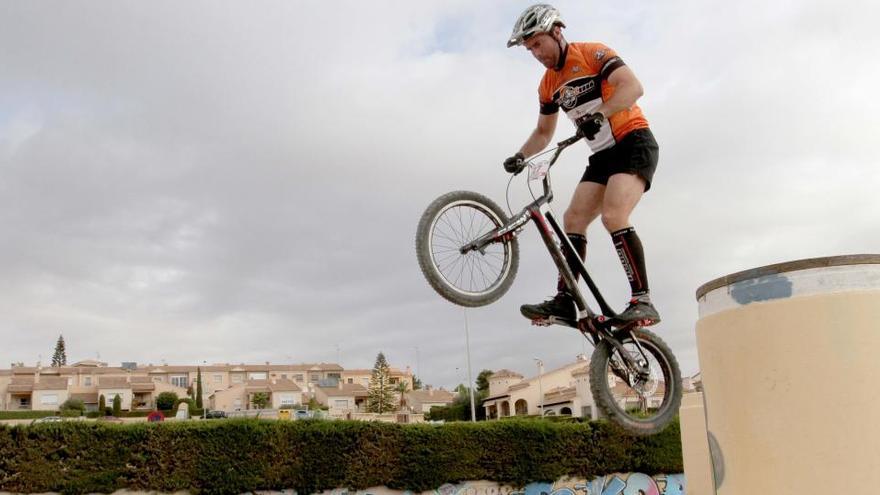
x,y
467,337
540,384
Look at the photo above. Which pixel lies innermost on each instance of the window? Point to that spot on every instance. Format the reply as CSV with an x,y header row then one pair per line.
x,y
393,380
340,404
181,381
237,404
283,376
218,378
236,378
49,399
24,403
337,376
315,377
351,380
257,376
298,378
87,381
157,379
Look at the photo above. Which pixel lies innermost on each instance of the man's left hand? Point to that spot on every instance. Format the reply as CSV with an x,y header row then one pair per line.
x,y
590,124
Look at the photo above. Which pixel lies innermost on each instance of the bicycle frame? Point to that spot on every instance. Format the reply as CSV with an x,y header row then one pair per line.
x,y
596,326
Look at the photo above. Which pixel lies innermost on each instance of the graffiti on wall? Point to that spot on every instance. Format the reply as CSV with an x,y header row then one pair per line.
x,y
613,484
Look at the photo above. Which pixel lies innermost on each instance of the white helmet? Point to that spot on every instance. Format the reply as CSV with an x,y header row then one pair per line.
x,y
536,19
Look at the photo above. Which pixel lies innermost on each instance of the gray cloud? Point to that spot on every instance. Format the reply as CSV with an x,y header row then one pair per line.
x,y
214,182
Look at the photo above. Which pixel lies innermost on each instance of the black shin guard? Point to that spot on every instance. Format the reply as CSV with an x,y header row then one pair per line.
x,y
579,241
632,257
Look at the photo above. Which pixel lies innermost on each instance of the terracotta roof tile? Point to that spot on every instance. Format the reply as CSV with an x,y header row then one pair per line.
x,y
51,383
113,382
347,390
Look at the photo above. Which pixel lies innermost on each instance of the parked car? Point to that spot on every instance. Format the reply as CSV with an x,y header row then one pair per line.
x,y
301,414
155,417
48,419
215,414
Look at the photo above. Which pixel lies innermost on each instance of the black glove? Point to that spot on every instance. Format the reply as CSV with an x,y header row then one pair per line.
x,y
590,124
515,164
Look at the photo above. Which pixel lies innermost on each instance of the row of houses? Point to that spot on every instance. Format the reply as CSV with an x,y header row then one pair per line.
x,y
225,387
564,391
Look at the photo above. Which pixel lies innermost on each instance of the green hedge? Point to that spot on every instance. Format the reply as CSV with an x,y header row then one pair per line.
x,y
26,414
242,455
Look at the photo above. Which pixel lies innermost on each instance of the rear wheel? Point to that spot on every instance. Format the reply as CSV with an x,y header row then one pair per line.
x,y
473,278
642,402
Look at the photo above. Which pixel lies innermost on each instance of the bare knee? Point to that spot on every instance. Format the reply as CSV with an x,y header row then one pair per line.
x,y
576,221
614,220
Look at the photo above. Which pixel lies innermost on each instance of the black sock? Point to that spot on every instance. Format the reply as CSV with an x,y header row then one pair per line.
x,y
632,257
579,241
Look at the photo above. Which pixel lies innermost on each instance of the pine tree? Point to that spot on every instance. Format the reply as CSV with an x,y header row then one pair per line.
x,y
199,388
381,396
60,356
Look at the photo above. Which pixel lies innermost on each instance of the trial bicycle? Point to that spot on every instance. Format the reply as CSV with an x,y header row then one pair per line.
x,y
468,250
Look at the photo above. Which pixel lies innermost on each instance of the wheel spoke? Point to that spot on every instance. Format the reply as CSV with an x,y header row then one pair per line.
x,y
475,271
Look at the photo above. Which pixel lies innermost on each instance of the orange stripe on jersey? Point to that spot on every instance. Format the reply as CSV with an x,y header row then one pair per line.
x,y
582,85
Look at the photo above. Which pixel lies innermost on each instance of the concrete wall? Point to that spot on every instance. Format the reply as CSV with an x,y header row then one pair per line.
x,y
38,397
613,484
788,355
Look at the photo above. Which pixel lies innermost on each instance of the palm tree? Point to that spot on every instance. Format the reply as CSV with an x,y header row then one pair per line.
x,y
402,388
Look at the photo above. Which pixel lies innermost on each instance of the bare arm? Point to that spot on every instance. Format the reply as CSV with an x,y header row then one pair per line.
x,y
627,89
542,134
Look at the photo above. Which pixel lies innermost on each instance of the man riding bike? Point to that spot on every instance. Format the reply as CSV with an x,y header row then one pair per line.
x,y
598,92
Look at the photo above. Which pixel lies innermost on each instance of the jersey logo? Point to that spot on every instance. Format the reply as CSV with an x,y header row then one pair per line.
x,y
575,69
600,54
569,94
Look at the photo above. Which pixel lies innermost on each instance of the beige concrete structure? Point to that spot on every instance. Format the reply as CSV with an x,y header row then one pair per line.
x,y
694,445
788,356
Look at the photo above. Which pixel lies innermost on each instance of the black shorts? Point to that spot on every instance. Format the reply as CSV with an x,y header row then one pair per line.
x,y
636,153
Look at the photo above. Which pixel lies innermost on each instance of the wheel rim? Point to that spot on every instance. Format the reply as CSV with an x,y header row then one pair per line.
x,y
474,273
641,398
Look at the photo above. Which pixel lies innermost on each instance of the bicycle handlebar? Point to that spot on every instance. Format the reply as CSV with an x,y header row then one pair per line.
x,y
570,141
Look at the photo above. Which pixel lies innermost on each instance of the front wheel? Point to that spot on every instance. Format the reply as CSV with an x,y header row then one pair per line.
x,y
476,277
641,401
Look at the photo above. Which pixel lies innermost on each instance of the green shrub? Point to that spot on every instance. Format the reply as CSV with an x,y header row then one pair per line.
x,y
241,455
117,405
73,405
25,414
166,401
190,402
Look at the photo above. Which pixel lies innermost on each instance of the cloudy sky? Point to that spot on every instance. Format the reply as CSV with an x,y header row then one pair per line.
x,y
239,182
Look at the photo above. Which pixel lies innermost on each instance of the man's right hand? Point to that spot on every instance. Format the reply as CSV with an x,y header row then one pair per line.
x,y
515,163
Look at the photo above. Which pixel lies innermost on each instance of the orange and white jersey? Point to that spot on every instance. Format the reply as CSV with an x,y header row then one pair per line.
x,y
582,85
